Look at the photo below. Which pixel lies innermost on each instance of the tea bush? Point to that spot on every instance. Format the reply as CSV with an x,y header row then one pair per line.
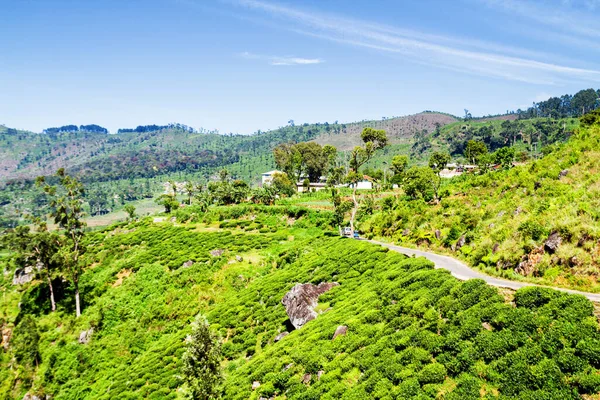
x,y
413,331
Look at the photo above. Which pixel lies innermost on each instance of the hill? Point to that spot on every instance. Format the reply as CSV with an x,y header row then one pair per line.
x,y
399,130
411,331
160,150
536,221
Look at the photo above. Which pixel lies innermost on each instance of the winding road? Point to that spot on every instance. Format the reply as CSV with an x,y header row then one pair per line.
x,y
464,272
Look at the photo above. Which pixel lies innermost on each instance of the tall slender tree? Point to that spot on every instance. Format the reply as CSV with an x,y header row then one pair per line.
x,y
373,140
67,211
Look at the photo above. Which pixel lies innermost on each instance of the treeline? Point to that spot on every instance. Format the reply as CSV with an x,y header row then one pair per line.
x,y
154,128
73,128
536,134
564,106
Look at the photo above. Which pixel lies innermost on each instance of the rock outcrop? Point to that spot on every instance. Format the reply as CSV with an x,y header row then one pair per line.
x,y
6,334
495,248
32,397
300,302
340,331
459,243
280,336
217,252
553,242
528,263
86,336
23,275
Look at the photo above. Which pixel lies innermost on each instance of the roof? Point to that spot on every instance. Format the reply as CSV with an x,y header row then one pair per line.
x,y
272,172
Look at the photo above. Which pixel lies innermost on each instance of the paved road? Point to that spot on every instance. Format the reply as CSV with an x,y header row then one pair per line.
x,y
463,272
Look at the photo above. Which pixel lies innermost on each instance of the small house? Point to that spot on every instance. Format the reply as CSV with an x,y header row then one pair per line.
x,y
267,177
312,187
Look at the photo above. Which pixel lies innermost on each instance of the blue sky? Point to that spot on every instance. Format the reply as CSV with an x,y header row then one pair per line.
x,y
243,65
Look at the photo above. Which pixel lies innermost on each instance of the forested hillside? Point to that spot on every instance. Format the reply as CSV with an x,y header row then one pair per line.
x,y
145,152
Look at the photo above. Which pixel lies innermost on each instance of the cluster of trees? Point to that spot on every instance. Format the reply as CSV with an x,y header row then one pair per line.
x,y
154,128
224,190
535,134
73,128
564,106
304,160
55,253
477,153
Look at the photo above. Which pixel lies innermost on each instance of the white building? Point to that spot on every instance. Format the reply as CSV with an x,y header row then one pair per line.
x,y
267,177
313,187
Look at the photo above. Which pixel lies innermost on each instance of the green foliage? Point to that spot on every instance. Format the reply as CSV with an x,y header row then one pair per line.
x,y
591,118
130,210
505,157
438,161
304,159
67,211
418,182
412,330
169,202
507,214
531,229
475,150
201,362
25,342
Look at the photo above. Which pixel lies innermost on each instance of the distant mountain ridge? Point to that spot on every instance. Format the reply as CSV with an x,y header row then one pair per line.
x,y
147,153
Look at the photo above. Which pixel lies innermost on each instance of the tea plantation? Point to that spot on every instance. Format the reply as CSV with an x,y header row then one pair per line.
x,y
413,332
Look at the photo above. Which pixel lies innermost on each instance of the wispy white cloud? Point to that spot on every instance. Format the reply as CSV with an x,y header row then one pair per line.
x,y
282,61
452,53
578,18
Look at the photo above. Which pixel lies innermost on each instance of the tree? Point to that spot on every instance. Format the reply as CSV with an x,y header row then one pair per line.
x,y
173,187
41,246
399,164
201,362
468,115
331,153
373,140
340,208
584,101
591,118
168,202
25,341
264,195
190,188
314,160
438,161
421,182
288,159
130,210
283,185
67,210
474,150
306,158
504,157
